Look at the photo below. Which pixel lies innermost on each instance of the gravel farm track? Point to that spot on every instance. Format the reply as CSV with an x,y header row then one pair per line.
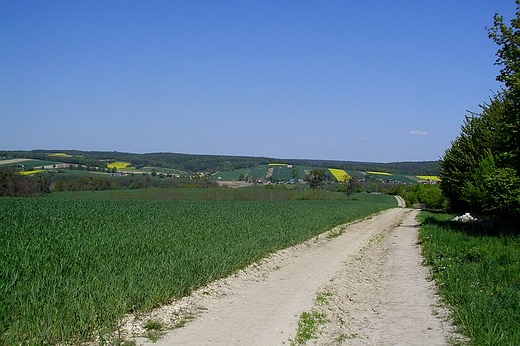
x,y
370,273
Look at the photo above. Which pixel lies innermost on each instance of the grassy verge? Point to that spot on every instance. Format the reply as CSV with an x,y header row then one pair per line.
x,y
478,274
71,268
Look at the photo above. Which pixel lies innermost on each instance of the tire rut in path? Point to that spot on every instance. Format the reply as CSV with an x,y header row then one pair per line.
x,y
261,304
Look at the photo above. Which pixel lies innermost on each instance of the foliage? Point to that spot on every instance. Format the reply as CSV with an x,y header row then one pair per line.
x,y
480,172
64,182
429,195
350,186
14,184
478,274
316,177
476,174
493,190
508,57
71,268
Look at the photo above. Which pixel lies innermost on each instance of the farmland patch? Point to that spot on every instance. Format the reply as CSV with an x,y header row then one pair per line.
x,y
35,171
339,174
378,173
429,177
71,268
28,163
119,165
59,155
12,161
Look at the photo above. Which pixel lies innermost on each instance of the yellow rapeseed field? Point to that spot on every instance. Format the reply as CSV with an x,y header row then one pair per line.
x,y
379,173
119,165
60,155
339,174
36,171
429,177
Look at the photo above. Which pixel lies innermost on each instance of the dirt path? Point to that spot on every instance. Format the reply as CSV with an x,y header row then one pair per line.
x,y
371,275
400,201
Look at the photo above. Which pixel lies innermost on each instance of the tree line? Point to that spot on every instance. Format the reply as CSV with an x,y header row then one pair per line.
x,y
13,184
480,172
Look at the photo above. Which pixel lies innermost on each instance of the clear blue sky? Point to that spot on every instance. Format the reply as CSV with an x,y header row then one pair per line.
x,y
362,80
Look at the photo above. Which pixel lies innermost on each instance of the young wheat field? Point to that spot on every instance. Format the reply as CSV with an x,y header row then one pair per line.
x,y
71,268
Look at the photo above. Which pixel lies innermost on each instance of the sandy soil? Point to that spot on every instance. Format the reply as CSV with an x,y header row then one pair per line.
x,y
376,293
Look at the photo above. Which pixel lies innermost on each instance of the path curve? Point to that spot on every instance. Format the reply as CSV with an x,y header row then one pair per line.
x,y
377,293
400,201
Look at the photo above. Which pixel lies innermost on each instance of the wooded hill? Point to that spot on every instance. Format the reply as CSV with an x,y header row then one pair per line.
x,y
214,163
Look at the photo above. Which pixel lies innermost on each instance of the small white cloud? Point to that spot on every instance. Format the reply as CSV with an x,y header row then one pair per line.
x,y
358,138
418,133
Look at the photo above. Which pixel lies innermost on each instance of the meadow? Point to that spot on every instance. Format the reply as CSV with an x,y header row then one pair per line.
x,y
477,271
71,267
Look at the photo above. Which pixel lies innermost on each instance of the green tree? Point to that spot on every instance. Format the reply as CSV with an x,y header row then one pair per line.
x,y
508,57
13,184
350,185
492,189
478,134
480,171
44,184
91,185
316,177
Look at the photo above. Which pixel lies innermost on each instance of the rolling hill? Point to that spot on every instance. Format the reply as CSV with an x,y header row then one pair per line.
x,y
228,167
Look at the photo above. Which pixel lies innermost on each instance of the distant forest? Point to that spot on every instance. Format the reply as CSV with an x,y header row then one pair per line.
x,y
215,163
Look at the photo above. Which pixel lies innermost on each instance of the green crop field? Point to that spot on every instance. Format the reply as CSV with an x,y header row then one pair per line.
x,y
71,268
404,178
282,173
31,163
164,170
231,175
258,172
253,193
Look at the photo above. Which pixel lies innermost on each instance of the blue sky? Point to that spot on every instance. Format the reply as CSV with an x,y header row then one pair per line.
x,y
359,80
